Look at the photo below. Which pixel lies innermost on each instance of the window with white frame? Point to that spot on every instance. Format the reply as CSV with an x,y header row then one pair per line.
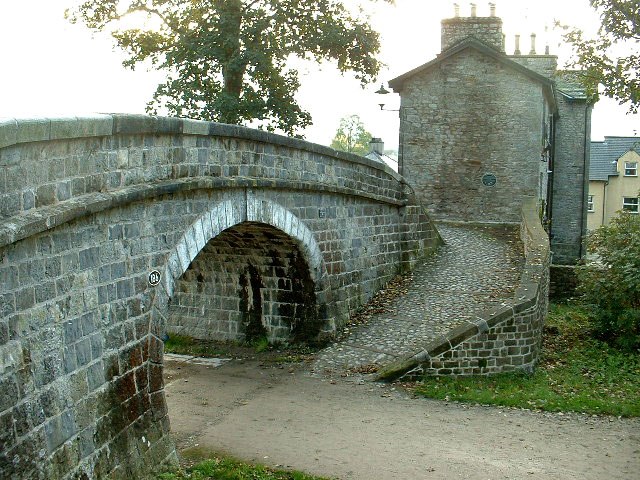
x,y
630,204
630,169
590,204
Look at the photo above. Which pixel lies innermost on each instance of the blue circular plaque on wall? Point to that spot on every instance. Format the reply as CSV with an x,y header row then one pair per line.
x,y
489,179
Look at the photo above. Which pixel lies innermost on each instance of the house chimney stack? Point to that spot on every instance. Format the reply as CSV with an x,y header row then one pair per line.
x,y
492,9
533,44
517,50
461,26
376,145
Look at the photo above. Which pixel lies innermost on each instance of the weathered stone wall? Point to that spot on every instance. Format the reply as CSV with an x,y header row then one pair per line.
x,y
363,245
485,29
501,339
570,180
545,65
563,282
92,206
470,116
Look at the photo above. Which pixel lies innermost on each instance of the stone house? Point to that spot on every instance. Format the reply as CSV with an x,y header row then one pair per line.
x,y
481,131
614,183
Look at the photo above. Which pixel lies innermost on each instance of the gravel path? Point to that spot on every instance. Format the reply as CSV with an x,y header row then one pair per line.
x,y
351,430
477,268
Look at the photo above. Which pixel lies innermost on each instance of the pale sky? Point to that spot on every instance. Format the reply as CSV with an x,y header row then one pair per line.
x,y
53,68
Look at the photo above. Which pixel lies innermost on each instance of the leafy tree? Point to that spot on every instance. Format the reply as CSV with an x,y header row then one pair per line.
x,y
619,31
226,60
352,136
611,284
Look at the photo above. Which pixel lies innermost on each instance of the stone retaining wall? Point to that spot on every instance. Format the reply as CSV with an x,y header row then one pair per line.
x,y
502,339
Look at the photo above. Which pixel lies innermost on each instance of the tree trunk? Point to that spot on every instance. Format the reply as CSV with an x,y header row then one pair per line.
x,y
233,66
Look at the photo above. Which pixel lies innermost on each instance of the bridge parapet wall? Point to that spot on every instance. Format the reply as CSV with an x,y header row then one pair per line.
x,y
48,162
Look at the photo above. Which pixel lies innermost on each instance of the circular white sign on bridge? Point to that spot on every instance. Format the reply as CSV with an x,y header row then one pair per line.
x,y
154,278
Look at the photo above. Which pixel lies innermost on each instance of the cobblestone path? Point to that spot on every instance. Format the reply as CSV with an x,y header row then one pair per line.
x,y
478,267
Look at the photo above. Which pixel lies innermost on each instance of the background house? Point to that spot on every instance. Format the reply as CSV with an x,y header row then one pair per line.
x,y
481,130
613,179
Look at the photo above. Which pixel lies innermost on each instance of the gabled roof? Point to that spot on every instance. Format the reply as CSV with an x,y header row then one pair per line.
x,y
604,155
471,42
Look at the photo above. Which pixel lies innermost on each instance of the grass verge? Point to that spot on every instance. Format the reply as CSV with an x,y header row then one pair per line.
x,y
226,468
577,373
269,352
184,345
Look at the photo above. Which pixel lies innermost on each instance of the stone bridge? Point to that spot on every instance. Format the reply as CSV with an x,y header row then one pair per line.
x,y
247,233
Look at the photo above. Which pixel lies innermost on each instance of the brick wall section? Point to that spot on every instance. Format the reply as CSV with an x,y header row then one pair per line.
x,y
563,282
46,162
570,180
247,273
457,124
93,205
545,65
502,339
485,29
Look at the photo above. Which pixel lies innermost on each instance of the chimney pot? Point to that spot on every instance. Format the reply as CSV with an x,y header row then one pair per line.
x,y
492,9
533,44
456,10
546,49
473,9
517,49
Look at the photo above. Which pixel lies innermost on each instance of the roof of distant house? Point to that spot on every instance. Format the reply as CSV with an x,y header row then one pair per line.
x,y
384,158
605,154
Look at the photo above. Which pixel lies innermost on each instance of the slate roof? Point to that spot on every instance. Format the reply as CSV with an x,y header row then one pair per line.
x,y
604,155
390,161
569,84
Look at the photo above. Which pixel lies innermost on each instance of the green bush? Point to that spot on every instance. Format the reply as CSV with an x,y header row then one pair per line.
x,y
610,282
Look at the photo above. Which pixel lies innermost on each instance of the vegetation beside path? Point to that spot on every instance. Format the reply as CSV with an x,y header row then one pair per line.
x,y
577,373
227,468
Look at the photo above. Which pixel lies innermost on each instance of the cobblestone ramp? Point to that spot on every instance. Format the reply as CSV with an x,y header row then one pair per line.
x,y
478,267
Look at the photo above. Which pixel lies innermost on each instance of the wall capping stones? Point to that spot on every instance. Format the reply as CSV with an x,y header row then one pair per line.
x,y
529,301
26,130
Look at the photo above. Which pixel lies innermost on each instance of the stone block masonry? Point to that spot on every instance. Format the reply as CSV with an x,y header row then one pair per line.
x,y
230,217
500,339
481,131
471,102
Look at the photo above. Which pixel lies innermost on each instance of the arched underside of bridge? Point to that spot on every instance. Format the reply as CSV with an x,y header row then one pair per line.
x,y
288,237
249,282
257,272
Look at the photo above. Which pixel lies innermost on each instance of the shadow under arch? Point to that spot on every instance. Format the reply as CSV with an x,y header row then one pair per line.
x,y
237,209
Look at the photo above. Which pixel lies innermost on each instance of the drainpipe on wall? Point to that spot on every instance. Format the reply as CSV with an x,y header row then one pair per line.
x,y
551,167
585,179
604,199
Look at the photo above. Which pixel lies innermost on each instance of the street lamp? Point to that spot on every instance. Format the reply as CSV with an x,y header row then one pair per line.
x,y
384,91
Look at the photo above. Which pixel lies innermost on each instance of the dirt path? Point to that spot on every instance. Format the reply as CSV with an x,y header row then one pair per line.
x,y
350,429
